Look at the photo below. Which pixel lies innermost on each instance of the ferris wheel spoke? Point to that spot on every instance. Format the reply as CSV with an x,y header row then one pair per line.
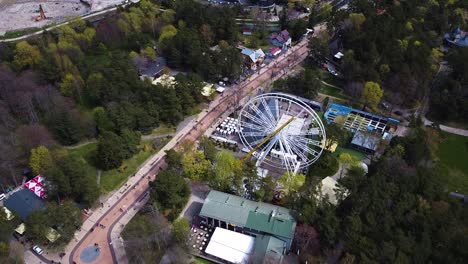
x,y
268,110
285,161
257,120
255,134
266,150
252,126
262,115
306,141
297,149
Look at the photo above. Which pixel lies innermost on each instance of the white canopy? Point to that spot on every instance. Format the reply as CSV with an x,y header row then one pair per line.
x,y
230,246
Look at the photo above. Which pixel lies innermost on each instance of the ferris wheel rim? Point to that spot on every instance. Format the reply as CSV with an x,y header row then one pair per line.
x,y
283,138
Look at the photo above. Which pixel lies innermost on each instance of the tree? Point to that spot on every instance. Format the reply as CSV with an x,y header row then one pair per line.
x,y
209,148
180,230
347,160
26,55
195,166
40,160
291,182
37,225
226,172
173,159
130,141
371,94
170,192
72,86
357,19
109,151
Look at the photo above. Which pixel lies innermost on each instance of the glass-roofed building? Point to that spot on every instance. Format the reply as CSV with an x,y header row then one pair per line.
x,y
357,120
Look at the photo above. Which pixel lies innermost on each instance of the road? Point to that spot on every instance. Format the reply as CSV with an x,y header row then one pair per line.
x,y
115,211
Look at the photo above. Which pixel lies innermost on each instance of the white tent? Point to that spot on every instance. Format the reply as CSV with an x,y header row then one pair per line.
x,y
230,246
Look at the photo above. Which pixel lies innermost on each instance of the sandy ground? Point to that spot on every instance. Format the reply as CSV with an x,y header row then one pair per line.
x,y
19,14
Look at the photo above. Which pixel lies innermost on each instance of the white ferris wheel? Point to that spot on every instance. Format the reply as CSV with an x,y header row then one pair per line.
x,y
281,131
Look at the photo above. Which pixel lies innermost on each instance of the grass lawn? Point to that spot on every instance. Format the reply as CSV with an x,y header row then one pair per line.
x,y
112,179
86,153
199,260
162,130
332,91
352,152
453,153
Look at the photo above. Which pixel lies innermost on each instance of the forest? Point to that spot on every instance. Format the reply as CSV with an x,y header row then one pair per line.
x,y
80,82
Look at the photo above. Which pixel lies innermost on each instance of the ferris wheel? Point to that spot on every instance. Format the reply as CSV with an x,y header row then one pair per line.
x,y
282,131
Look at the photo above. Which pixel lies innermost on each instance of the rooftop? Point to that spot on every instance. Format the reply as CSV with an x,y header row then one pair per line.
x,y
272,219
366,140
254,55
24,202
268,249
230,246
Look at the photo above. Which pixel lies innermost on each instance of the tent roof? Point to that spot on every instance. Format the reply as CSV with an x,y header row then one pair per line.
x,y
8,214
230,246
24,202
52,235
20,229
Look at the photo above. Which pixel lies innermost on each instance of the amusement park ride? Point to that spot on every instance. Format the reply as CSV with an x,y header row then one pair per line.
x,y
281,131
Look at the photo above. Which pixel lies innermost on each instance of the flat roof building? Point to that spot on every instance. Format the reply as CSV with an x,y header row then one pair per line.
x,y
24,202
253,218
357,120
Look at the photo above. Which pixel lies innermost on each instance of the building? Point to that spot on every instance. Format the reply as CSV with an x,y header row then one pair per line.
x,y
253,58
24,202
357,120
260,220
153,69
273,52
281,39
365,142
457,38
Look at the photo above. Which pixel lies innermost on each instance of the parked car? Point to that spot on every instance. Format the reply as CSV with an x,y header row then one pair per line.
x,y
37,250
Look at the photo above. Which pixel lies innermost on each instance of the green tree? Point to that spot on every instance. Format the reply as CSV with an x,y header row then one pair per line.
x,y
94,86
65,218
195,166
37,225
72,86
371,94
103,122
209,148
226,172
130,141
291,182
180,230
109,151
170,192
26,55
40,160
357,19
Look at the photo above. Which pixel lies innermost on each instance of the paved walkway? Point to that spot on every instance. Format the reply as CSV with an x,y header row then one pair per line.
x,y
120,206
452,130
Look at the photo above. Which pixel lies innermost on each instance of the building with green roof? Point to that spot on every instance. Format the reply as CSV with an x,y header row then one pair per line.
x,y
254,218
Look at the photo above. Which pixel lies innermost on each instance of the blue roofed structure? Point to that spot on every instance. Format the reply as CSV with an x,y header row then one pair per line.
x,y
24,202
357,120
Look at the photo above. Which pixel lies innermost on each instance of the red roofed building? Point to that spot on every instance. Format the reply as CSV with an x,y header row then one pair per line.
x,y
281,39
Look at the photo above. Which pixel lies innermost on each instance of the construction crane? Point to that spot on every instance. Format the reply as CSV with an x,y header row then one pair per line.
x,y
267,139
